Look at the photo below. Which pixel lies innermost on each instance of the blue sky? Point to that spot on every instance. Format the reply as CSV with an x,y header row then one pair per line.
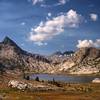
x,y
46,26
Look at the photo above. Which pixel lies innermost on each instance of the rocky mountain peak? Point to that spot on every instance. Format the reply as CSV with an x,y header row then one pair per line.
x,y
68,52
84,53
13,58
8,44
8,41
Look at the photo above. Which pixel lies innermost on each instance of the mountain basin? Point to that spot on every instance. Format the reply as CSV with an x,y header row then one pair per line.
x,y
64,78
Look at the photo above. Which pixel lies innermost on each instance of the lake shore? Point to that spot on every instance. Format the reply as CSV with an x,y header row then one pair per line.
x,y
66,74
59,91
63,78
72,92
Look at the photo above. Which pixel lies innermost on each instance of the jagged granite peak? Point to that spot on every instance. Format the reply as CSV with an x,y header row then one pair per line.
x,y
7,40
84,53
9,43
13,57
58,53
84,61
68,52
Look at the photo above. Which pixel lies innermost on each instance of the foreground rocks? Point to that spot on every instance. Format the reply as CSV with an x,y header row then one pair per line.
x,y
96,80
35,86
19,85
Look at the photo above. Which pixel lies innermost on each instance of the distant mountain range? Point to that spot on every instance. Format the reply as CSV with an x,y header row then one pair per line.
x,y
66,53
15,60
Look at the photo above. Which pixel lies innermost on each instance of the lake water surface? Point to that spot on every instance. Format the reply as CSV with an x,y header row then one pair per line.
x,y
64,78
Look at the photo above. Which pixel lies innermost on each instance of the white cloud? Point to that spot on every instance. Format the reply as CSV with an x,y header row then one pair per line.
x,y
97,43
37,1
94,17
23,23
62,2
88,43
42,3
49,14
47,30
38,37
40,43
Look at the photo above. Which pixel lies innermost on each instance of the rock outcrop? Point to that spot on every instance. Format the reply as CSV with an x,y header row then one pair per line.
x,y
84,61
19,85
96,80
34,86
14,59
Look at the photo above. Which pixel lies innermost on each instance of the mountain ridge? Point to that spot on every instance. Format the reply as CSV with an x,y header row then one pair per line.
x,y
14,59
13,56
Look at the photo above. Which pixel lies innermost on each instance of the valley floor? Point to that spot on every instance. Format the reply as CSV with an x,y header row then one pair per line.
x,y
70,92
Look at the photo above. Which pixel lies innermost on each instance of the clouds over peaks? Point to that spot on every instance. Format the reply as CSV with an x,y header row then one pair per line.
x,y
51,28
88,43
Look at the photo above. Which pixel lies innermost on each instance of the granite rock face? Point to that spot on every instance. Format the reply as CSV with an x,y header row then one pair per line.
x,y
19,85
96,80
14,59
87,61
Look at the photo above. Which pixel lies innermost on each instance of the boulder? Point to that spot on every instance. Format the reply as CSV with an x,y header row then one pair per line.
x,y
96,80
19,85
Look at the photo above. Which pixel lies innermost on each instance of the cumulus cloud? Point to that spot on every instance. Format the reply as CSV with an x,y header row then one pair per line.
x,y
40,43
62,2
94,17
58,3
49,14
37,1
47,30
88,43
43,3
